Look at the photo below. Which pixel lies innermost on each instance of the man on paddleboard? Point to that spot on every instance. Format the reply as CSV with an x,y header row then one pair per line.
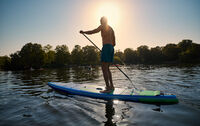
x,y
107,53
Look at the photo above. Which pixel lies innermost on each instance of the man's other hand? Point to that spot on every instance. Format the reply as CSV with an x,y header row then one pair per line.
x,y
82,32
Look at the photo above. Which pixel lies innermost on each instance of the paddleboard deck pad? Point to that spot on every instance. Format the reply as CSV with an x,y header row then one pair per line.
x,y
93,91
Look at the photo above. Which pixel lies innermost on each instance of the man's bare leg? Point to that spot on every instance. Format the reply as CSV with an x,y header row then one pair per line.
x,y
105,74
110,78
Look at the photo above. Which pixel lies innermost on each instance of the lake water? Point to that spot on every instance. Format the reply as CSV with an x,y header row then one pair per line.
x,y
26,99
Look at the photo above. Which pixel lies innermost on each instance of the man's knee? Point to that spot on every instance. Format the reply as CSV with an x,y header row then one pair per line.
x,y
104,65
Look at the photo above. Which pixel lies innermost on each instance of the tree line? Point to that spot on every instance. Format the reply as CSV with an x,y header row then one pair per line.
x,y
184,52
33,55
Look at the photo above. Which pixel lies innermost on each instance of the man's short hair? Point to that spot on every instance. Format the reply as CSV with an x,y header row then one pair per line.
x,y
104,20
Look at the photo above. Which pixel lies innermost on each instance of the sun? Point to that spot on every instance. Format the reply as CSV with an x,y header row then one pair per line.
x,y
111,11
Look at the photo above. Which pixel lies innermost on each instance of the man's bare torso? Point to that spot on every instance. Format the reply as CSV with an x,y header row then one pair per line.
x,y
107,35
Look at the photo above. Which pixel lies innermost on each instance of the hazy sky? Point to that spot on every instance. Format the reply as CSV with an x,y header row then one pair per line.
x,y
135,22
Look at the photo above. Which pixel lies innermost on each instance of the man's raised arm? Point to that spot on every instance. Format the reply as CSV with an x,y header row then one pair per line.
x,y
92,31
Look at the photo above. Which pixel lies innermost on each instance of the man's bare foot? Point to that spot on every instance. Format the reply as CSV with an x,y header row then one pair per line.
x,y
107,88
112,88
107,91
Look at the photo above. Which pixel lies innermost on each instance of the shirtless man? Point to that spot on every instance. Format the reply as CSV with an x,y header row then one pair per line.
x,y
107,53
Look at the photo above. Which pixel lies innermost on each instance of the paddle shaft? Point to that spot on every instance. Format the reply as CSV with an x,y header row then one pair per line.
x,y
114,64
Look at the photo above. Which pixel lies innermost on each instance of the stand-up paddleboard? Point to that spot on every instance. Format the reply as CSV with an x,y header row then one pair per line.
x,y
93,91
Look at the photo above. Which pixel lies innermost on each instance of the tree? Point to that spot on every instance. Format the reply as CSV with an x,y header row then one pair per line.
x,y
117,60
49,55
156,55
90,55
77,55
62,56
47,48
32,56
120,55
130,56
195,51
143,53
191,55
5,62
171,52
16,62
184,44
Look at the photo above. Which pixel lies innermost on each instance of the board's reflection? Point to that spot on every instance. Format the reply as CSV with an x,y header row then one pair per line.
x,y
110,112
158,109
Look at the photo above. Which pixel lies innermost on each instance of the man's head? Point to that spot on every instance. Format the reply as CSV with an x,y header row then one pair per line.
x,y
103,21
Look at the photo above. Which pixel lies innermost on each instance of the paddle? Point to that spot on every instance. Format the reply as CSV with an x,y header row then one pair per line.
x,y
113,64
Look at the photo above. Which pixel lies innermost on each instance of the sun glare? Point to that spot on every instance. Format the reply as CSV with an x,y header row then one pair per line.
x,y
111,11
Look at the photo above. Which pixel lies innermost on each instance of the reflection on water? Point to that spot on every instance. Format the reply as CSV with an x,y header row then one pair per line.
x,y
26,98
84,74
110,112
63,74
158,109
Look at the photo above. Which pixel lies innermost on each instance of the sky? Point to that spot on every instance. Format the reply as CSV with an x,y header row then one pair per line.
x,y
135,22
